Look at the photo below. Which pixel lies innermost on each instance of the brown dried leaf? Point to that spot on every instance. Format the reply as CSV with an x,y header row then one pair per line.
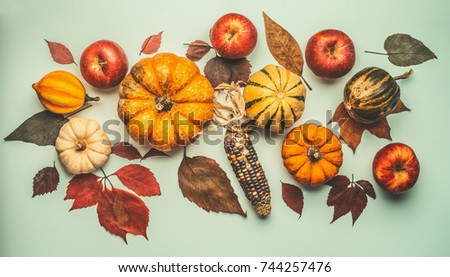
x,y
45,181
60,53
283,46
151,44
351,131
154,153
197,50
203,182
348,196
220,70
125,150
367,187
293,197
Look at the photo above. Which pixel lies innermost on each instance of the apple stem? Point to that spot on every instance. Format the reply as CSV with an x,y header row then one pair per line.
x,y
405,75
353,178
377,53
306,83
88,98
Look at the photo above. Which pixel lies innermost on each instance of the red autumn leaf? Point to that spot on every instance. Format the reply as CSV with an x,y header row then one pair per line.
x,y
367,187
151,44
203,182
219,70
121,212
125,150
85,189
154,153
348,196
139,179
351,131
293,197
45,181
60,53
197,50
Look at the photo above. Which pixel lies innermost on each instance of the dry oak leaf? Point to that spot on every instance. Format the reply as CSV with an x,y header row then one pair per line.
x,y
121,212
139,179
45,181
219,70
203,182
151,44
85,189
351,131
348,196
60,53
197,50
293,197
283,46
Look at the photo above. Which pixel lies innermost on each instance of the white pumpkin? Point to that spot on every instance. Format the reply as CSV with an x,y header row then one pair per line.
x,y
82,145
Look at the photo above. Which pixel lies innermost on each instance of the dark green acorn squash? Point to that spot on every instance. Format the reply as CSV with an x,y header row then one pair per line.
x,y
370,95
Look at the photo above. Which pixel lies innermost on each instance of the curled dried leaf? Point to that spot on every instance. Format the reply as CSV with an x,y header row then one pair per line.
x,y
220,70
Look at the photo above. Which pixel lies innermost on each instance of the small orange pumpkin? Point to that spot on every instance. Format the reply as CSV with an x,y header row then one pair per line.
x,y
312,154
165,101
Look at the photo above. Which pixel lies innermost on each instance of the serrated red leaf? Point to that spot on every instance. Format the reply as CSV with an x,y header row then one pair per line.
x,y
351,131
367,187
154,153
151,44
139,179
122,212
125,150
220,70
293,197
60,53
45,181
345,205
359,204
197,50
85,189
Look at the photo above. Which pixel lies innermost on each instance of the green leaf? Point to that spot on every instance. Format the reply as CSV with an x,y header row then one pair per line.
x,y
41,129
404,50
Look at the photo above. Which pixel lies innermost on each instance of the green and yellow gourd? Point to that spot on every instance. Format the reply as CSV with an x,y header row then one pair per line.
x,y
274,98
370,95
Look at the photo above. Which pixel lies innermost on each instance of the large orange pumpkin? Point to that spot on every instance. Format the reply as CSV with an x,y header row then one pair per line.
x,y
165,101
312,154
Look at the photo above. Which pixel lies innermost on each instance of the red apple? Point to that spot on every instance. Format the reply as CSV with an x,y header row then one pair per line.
x,y
396,168
103,64
233,36
330,54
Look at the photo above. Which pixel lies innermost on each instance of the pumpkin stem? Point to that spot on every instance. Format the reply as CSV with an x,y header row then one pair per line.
x,y
80,145
163,103
405,75
313,154
87,98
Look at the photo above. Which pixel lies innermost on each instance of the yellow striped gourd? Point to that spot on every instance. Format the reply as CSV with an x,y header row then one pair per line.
x,y
274,98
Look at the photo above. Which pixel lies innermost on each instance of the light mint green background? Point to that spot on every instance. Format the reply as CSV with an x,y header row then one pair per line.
x,y
416,224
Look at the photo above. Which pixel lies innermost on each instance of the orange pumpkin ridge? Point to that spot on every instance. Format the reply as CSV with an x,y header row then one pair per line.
x,y
165,101
312,154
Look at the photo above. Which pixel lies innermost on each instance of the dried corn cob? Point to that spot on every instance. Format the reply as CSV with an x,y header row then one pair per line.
x,y
248,170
